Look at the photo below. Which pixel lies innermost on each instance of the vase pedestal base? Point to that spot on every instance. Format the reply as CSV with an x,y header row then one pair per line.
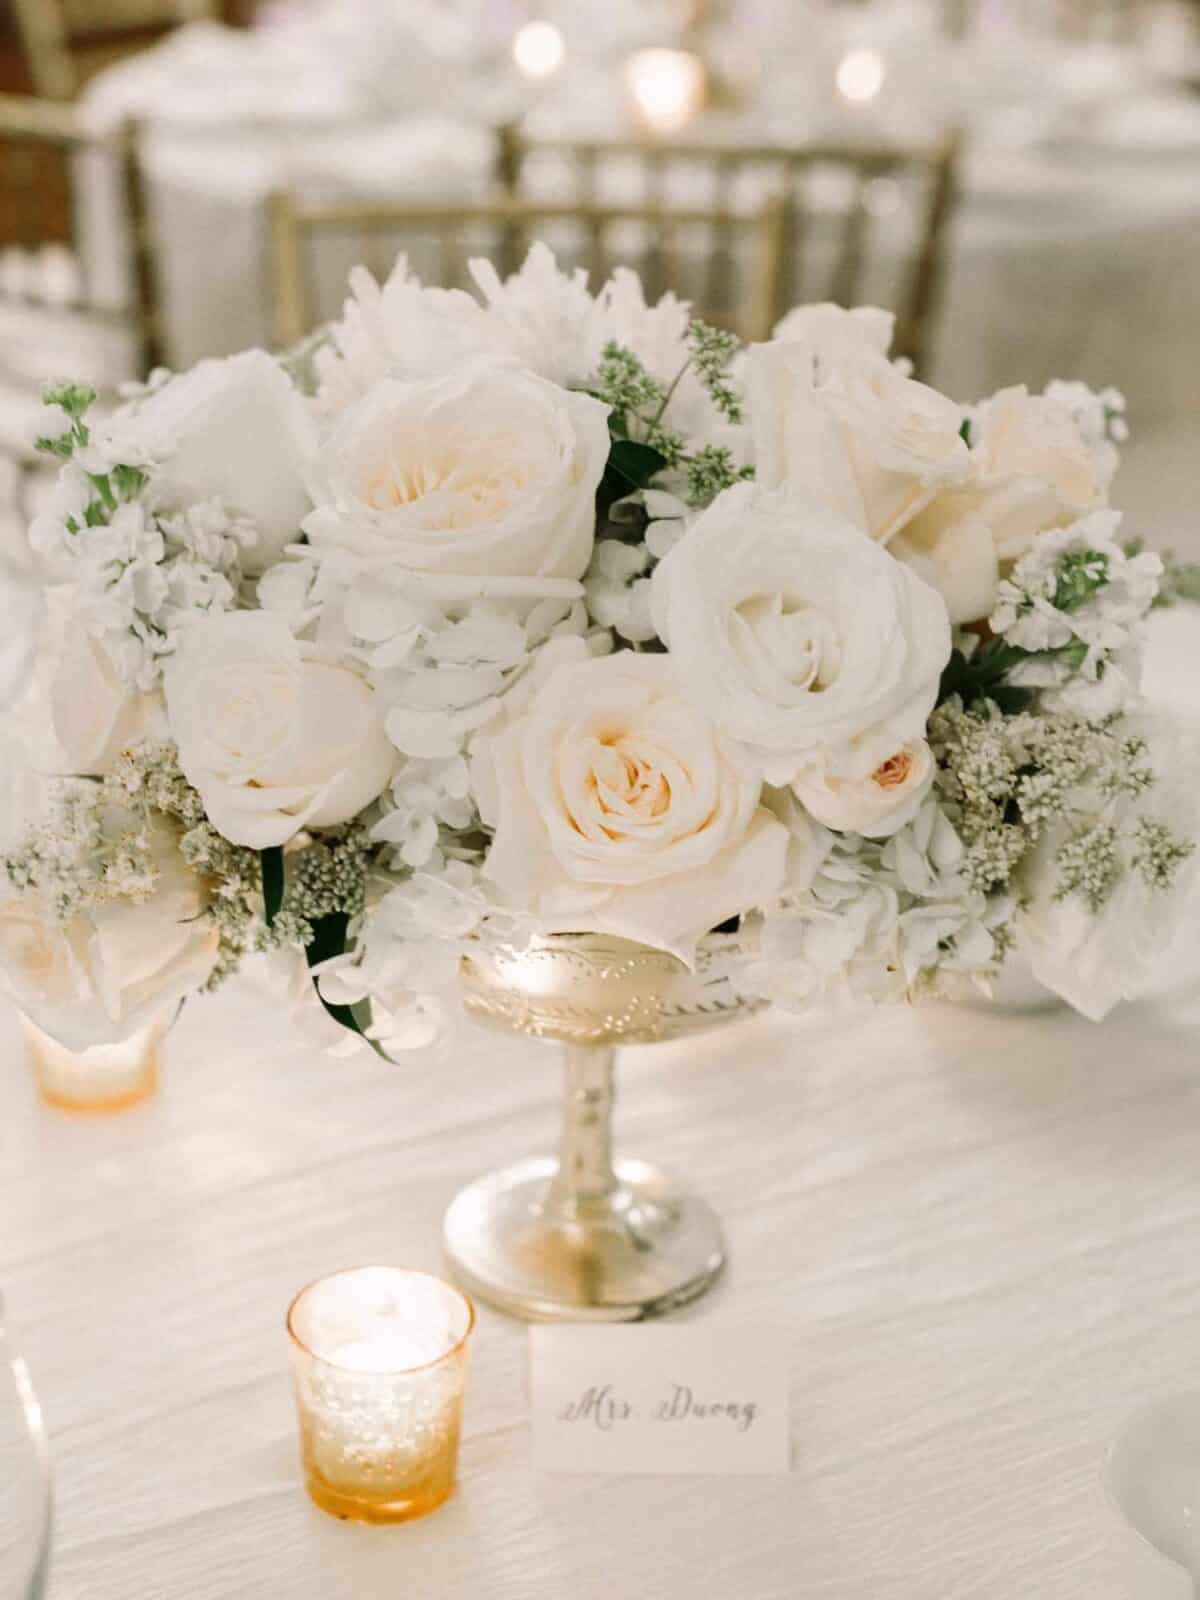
x,y
643,1248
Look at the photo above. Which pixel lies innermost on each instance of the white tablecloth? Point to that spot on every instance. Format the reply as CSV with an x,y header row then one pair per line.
x,y
979,1232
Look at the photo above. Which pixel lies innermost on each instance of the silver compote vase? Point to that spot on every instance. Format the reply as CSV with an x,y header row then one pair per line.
x,y
583,1237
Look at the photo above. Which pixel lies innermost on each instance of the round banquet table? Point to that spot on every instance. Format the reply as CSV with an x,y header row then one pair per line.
x,y
979,1230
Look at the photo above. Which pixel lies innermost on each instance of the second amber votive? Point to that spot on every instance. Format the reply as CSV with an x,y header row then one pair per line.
x,y
105,1077
379,1358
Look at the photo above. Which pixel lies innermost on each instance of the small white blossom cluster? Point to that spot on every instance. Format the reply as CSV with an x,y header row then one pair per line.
x,y
1076,605
140,573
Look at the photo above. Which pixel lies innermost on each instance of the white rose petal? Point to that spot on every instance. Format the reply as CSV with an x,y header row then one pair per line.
x,y
95,713
273,736
110,972
803,639
617,808
489,472
870,443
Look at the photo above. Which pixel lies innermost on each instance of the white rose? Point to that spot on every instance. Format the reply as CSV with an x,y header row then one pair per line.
x,y
490,471
274,736
110,972
803,639
876,806
849,429
95,712
233,430
618,808
951,546
1031,467
1031,470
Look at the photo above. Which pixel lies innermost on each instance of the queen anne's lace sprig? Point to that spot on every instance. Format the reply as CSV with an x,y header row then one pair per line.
x,y
1007,783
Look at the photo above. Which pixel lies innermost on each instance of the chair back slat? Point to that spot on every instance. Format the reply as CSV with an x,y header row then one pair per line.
x,y
926,173
659,240
64,47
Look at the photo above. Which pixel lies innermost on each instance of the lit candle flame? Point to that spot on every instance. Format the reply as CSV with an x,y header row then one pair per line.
x,y
860,75
538,49
667,88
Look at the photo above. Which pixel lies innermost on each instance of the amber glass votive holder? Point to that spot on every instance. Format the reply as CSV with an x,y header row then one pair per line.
x,y
379,1362
104,1077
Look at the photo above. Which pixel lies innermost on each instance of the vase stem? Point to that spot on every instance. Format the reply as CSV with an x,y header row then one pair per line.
x,y
585,1178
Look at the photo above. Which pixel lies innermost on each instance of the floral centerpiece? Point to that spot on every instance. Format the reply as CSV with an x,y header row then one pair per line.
x,y
544,611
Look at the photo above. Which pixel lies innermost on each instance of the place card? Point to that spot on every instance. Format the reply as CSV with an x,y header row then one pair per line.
x,y
666,1398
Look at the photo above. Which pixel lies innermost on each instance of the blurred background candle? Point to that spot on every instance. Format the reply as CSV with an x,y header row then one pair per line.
x,y
667,88
379,1362
860,75
538,49
105,1077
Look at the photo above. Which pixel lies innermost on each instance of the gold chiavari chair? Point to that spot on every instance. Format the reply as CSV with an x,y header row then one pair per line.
x,y
44,329
850,196
67,41
663,244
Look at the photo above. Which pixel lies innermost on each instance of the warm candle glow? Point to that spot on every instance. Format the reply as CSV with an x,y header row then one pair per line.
x,y
538,49
667,88
379,1361
860,74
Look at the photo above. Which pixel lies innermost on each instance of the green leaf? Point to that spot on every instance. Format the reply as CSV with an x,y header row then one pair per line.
x,y
634,463
964,430
328,941
982,677
273,881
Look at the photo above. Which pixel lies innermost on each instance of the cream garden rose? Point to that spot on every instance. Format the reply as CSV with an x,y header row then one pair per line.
x,y
490,471
832,417
114,969
274,736
95,713
618,807
1031,471
876,806
801,638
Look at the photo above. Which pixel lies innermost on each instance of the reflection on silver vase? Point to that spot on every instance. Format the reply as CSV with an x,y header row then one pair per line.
x,y
586,1237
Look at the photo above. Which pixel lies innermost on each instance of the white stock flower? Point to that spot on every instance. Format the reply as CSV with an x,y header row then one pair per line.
x,y
875,806
800,637
1102,622
274,736
539,315
840,423
232,430
117,967
618,808
490,471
